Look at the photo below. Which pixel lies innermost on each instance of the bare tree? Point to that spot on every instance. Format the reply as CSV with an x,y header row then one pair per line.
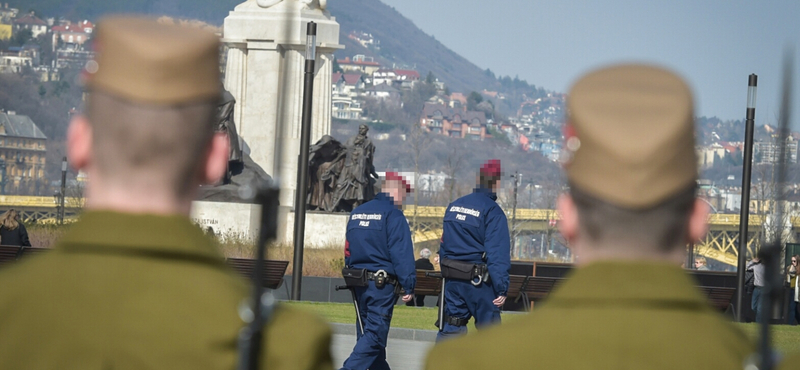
x,y
776,223
418,141
452,166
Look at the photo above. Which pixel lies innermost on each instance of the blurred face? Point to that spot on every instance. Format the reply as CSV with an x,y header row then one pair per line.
x,y
397,191
698,263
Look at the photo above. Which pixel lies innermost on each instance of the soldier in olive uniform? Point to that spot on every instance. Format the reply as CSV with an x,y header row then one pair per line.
x,y
134,284
790,362
630,211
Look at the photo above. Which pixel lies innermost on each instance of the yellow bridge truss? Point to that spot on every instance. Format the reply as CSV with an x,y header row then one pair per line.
x,y
720,243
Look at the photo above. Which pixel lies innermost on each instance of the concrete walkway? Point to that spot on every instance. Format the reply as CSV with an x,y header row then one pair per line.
x,y
402,354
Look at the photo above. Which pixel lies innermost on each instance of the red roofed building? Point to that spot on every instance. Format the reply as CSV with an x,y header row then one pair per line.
x,y
30,22
348,84
458,100
399,78
407,78
441,119
359,63
73,34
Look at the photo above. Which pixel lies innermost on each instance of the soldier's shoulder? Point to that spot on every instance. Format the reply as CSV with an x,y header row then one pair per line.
x,y
298,340
470,351
790,362
290,317
28,272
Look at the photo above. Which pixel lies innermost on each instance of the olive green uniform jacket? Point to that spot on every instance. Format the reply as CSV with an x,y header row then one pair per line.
x,y
791,362
607,316
139,292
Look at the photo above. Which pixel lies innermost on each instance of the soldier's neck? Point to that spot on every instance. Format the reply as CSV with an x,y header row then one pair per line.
x,y
587,254
135,199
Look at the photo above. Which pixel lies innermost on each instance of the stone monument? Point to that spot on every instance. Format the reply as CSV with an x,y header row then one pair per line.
x,y
266,53
264,72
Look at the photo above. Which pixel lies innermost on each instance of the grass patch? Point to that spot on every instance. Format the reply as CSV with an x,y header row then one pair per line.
x,y
403,317
785,338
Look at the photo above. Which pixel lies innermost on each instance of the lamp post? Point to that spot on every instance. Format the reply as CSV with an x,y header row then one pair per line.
x,y
747,161
516,176
2,176
57,202
302,160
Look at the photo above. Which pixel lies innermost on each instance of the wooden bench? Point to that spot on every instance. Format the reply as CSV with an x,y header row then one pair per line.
x,y
428,283
537,287
274,270
515,284
719,298
8,253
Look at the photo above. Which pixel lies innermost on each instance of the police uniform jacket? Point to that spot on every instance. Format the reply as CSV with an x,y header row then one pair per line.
x,y
474,224
379,238
140,292
610,315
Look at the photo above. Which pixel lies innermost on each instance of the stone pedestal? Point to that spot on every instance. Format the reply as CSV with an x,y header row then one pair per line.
x,y
323,230
264,72
239,221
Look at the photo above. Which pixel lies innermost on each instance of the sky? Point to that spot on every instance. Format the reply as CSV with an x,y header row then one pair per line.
x,y
715,45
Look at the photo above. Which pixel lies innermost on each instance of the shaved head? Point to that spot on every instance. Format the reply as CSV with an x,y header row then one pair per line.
x,y
154,146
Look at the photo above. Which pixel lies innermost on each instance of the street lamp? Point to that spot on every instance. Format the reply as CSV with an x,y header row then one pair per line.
x,y
747,161
61,194
516,176
302,164
2,176
57,202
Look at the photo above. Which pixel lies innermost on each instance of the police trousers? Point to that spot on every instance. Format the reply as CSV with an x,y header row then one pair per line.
x,y
376,306
463,300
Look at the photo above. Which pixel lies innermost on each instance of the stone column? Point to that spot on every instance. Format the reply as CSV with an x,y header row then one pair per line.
x,y
265,75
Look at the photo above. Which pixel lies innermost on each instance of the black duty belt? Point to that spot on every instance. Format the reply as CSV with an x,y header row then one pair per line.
x,y
391,280
456,321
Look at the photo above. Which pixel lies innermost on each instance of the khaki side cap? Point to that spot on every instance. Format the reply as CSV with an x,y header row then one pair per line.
x,y
144,61
635,124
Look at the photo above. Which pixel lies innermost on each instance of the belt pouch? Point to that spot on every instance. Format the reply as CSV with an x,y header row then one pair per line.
x,y
355,277
460,270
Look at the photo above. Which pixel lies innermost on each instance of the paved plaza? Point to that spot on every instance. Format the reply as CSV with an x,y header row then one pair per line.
x,y
402,354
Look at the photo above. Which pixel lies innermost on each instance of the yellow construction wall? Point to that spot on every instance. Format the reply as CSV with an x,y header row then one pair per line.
x,y
5,31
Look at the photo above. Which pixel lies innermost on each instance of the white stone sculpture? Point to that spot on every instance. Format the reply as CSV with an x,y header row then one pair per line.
x,y
311,4
264,72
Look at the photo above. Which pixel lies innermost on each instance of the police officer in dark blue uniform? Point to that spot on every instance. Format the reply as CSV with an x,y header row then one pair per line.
x,y
378,245
475,257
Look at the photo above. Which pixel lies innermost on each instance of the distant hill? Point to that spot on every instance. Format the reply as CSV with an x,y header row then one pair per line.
x,y
402,42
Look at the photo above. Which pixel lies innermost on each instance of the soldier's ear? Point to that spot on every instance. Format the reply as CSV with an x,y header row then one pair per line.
x,y
79,142
698,221
568,225
216,160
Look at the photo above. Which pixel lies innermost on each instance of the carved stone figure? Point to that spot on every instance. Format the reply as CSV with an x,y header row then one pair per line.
x,y
326,160
226,124
356,182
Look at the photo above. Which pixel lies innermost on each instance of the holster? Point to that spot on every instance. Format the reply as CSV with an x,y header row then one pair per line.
x,y
460,270
355,277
